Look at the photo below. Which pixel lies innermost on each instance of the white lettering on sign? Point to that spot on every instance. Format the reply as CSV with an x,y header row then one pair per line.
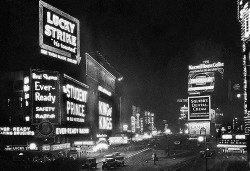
x,y
105,109
45,116
105,123
39,87
39,97
62,131
75,109
203,66
75,93
46,109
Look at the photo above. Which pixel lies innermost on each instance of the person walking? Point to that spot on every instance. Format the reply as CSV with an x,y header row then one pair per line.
x,y
154,158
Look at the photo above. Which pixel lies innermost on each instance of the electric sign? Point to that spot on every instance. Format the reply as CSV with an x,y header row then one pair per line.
x,y
200,82
59,34
74,100
199,108
105,115
45,96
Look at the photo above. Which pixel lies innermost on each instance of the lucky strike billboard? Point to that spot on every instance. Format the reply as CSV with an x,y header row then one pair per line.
x,y
199,108
59,34
45,96
74,100
105,115
200,82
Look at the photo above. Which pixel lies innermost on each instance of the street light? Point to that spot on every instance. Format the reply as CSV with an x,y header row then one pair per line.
x,y
205,141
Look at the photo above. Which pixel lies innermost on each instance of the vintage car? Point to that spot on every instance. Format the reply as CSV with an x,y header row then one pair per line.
x,y
120,161
89,163
116,154
109,163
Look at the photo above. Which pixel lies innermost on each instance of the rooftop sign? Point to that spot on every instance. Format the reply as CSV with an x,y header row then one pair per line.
x,y
59,34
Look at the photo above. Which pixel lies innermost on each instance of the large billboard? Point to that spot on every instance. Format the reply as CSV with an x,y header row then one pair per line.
x,y
200,82
98,73
105,115
59,34
45,96
74,100
199,108
194,128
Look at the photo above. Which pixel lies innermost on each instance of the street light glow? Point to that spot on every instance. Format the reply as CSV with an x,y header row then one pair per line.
x,y
200,138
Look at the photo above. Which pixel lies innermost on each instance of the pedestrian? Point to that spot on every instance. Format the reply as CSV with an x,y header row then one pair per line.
x,y
154,158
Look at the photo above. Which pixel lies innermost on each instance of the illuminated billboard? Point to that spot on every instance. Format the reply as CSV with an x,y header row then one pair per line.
x,y
59,34
105,115
200,82
45,96
194,128
199,108
98,73
132,124
74,99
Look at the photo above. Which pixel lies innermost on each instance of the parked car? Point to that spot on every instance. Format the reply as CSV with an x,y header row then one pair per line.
x,y
109,163
120,160
116,154
89,163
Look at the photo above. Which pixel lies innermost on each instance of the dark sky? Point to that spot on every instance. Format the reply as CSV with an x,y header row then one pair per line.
x,y
152,42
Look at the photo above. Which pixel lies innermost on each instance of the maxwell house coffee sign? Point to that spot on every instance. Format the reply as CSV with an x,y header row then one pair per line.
x,y
59,34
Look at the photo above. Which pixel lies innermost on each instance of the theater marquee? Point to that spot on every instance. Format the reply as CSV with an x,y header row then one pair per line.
x,y
59,34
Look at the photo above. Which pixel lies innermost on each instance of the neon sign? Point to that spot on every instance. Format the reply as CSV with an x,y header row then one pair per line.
x,y
105,116
16,131
59,34
199,108
74,100
63,131
205,67
132,124
18,148
105,91
45,96
201,82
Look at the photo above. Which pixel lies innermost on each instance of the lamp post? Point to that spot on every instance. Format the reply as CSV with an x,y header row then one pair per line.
x,y
205,141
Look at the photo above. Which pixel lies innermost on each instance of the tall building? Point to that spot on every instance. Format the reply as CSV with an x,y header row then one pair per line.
x,y
243,16
52,92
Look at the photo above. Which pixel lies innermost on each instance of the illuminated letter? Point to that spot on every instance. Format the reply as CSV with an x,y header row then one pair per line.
x,y
48,18
47,30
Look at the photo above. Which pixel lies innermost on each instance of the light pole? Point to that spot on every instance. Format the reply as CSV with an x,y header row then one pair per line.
x,y
205,141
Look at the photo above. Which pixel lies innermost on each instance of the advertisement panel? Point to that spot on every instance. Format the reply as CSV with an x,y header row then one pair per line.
x,y
118,140
132,124
200,82
194,128
199,108
98,73
105,115
45,96
59,34
74,100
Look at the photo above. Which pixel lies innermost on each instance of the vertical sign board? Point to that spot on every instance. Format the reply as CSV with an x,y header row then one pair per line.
x,y
105,115
199,108
45,96
132,124
74,99
59,34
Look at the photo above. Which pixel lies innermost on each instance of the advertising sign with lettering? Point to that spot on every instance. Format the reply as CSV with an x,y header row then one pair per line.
x,y
45,96
59,34
74,100
200,82
194,128
105,115
98,73
199,108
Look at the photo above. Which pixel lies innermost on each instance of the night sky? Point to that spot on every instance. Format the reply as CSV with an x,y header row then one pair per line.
x,y
152,42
